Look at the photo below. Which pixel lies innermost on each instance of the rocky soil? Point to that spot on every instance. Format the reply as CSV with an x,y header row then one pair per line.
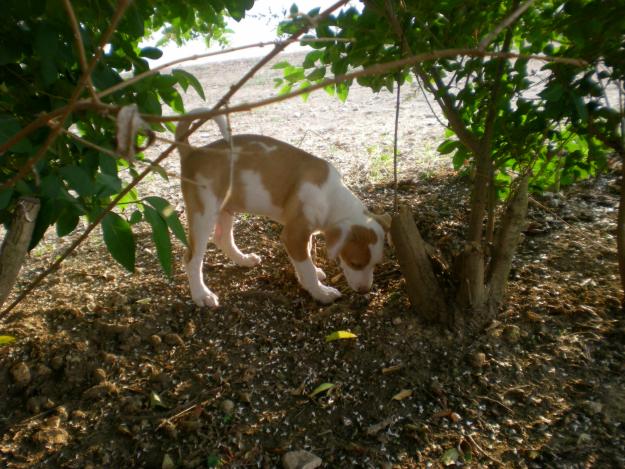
x,y
112,369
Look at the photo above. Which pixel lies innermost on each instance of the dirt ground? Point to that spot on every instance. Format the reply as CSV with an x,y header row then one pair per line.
x,y
112,369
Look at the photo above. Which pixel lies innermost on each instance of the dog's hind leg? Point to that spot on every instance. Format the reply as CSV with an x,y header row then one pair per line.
x,y
224,239
201,226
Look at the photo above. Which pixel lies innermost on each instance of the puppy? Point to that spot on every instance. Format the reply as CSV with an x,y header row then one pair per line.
x,y
264,176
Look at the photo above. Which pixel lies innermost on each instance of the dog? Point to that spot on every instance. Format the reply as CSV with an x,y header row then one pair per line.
x,y
264,176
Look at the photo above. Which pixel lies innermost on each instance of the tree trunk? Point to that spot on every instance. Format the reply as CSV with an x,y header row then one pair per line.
x,y
424,292
16,242
508,239
620,229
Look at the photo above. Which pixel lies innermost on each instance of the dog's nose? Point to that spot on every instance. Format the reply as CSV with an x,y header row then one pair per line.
x,y
363,289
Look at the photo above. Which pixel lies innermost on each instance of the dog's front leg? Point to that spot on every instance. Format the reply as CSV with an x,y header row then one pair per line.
x,y
296,239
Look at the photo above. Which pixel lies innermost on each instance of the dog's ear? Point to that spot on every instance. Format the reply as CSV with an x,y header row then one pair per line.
x,y
383,219
335,239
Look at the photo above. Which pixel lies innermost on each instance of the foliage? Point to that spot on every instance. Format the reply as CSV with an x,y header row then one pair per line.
x,y
39,70
554,120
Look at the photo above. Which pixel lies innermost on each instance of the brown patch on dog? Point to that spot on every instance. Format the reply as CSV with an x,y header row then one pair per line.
x,y
332,236
355,252
275,167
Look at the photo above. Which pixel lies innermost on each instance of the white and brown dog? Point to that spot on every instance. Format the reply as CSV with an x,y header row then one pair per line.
x,y
272,178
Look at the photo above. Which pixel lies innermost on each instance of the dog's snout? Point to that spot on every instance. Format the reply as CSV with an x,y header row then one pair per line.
x,y
363,289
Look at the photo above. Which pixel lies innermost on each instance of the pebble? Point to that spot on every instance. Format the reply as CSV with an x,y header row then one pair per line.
x,y
99,375
397,321
155,340
20,372
189,329
57,362
34,403
227,406
300,460
512,333
100,390
173,339
478,359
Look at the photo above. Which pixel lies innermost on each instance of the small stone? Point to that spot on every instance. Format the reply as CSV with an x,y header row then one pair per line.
x,y
78,415
245,396
170,429
300,460
189,329
455,417
512,333
109,358
130,342
155,340
478,359
99,375
173,339
57,362
100,390
21,374
41,370
227,406
51,436
594,407
396,321
61,411
33,404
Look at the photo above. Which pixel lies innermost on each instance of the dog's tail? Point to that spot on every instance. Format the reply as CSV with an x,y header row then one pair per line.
x,y
183,128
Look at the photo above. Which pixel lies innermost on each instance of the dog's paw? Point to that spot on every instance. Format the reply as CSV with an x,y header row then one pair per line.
x,y
249,260
321,275
206,298
326,294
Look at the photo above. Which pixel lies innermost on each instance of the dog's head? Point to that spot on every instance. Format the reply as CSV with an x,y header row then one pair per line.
x,y
359,248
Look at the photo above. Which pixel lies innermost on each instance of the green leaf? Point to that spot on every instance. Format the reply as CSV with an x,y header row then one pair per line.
x,y
156,401
448,146
317,74
67,222
160,235
5,198
580,107
9,127
135,217
169,215
151,53
183,75
119,240
46,45
280,65
78,179
321,388
6,339
338,335
450,457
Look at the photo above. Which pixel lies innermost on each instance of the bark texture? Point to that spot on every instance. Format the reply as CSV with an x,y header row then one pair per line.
x,y
508,239
424,292
16,242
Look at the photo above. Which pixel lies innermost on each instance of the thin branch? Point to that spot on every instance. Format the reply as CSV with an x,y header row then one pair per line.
x,y
191,58
276,50
377,69
370,71
82,57
504,24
